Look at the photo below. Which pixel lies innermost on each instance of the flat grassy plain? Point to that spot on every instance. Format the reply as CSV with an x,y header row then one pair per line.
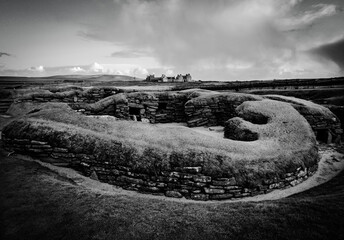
x,y
37,203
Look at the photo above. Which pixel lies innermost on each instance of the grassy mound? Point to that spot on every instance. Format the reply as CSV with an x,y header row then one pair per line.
x,y
102,104
283,145
305,106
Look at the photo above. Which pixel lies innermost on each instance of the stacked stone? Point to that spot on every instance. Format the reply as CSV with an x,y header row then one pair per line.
x,y
210,112
147,103
95,94
174,110
188,182
121,110
320,123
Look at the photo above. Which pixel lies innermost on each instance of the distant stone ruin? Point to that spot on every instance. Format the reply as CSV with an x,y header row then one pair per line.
x,y
177,79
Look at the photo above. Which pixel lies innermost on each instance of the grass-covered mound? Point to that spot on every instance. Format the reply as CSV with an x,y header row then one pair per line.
x,y
307,107
99,106
284,144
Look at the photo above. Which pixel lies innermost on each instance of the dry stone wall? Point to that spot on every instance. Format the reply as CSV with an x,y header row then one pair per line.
x,y
188,182
214,110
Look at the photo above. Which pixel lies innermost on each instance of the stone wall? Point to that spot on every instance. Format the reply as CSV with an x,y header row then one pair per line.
x,y
170,107
150,107
188,182
215,110
91,95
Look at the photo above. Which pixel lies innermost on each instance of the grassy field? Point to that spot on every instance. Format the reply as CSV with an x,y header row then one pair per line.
x,y
36,203
333,96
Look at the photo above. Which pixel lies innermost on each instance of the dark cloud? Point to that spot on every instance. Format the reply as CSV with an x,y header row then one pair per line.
x,y
5,54
332,51
129,54
198,33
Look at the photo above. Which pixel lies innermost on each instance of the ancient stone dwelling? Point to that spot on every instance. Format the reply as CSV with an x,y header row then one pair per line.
x,y
180,171
164,78
212,109
169,107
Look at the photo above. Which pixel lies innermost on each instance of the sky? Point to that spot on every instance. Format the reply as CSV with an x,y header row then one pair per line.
x,y
210,39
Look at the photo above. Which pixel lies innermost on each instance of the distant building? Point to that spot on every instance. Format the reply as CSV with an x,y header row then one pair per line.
x,y
164,78
187,78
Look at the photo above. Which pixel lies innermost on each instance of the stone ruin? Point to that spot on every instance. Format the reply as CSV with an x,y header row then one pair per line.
x,y
206,108
244,117
177,79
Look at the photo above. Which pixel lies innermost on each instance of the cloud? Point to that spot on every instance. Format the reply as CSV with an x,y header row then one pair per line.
x,y
332,51
37,69
5,54
192,34
94,68
76,70
307,18
169,72
129,54
97,68
120,69
228,39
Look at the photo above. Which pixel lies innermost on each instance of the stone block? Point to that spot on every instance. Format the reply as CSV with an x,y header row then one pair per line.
x,y
199,197
295,182
175,174
289,179
186,176
126,179
60,150
48,147
241,195
214,191
234,191
34,150
150,189
173,194
302,173
161,184
199,184
184,192
233,187
202,179
34,142
192,169
224,182
277,185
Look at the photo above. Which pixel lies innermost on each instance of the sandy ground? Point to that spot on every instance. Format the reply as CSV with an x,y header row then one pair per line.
x,y
330,164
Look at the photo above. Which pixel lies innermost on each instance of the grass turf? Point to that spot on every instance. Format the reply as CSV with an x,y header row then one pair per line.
x,y
36,203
